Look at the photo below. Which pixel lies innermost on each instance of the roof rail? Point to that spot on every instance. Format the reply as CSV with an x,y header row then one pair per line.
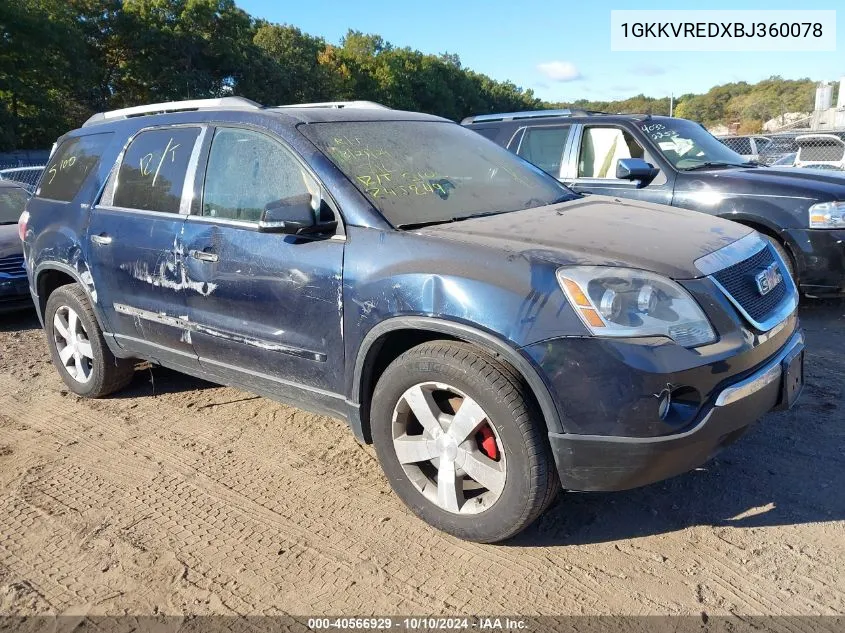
x,y
528,114
172,106
338,104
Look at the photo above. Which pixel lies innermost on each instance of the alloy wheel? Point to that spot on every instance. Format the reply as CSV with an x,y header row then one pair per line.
x,y
449,448
73,344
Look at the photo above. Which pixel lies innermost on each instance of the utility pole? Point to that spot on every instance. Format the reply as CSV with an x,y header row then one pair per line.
x,y
671,103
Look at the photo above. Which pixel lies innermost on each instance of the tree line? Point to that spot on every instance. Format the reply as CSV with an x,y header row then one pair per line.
x,y
746,105
62,60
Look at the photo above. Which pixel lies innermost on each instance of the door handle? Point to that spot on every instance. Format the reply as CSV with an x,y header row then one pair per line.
x,y
203,256
101,239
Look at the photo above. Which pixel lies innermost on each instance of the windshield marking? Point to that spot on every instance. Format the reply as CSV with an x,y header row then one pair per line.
x,y
429,172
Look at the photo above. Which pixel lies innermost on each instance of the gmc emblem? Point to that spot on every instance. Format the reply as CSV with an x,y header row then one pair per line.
x,y
768,278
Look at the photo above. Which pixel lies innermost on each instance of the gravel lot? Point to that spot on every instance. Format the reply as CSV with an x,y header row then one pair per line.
x,y
178,496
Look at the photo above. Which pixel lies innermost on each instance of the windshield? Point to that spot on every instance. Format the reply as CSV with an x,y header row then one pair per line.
x,y
12,202
425,172
687,145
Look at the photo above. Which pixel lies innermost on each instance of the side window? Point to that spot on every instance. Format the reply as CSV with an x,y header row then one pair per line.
x,y
602,147
152,174
544,147
248,172
70,165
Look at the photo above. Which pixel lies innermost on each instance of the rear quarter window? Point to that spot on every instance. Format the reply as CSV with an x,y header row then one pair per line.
x,y
491,133
71,164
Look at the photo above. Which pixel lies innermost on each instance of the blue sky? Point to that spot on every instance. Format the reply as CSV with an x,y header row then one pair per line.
x,y
561,50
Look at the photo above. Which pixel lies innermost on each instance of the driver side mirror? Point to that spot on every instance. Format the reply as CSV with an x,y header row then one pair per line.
x,y
636,169
295,216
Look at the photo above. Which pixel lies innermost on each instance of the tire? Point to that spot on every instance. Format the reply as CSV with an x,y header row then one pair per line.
x,y
517,479
780,249
90,369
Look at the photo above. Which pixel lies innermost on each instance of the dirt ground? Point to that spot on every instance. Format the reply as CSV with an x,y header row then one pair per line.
x,y
177,496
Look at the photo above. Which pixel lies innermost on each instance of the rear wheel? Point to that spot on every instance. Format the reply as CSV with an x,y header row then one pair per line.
x,y
461,442
77,347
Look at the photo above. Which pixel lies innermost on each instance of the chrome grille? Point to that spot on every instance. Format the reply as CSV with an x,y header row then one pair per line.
x,y
738,281
734,267
12,266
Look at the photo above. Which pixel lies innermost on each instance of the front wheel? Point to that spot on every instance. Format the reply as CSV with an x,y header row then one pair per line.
x,y
461,442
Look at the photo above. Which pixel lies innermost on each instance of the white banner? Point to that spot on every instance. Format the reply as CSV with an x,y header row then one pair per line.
x,y
717,30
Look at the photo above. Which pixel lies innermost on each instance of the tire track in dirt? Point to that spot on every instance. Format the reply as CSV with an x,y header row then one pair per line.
x,y
236,504
170,509
252,482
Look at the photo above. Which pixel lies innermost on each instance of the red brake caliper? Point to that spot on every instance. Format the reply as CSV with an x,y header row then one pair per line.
x,y
487,442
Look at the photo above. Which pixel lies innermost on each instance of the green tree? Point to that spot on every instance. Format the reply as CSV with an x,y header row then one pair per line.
x,y
43,65
181,49
291,71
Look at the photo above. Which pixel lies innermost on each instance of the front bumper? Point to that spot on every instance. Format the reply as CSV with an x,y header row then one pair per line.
x,y
605,463
820,260
14,294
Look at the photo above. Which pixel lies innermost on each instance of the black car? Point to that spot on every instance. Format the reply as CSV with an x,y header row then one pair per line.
x,y
677,162
14,289
493,333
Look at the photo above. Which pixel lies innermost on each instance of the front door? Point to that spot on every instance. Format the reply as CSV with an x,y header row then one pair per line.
x,y
592,166
272,312
132,243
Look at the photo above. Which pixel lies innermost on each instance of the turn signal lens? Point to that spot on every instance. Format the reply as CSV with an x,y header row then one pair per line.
x,y
575,293
592,317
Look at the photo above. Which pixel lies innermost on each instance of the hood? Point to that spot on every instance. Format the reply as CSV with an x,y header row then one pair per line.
x,y
807,183
601,231
10,242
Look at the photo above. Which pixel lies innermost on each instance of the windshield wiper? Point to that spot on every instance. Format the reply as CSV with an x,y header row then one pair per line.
x,y
711,164
457,218
483,214
420,225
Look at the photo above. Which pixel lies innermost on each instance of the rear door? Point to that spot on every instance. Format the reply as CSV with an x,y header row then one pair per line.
x,y
591,165
134,243
271,311
543,145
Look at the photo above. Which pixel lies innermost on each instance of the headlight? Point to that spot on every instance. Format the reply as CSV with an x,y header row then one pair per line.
x,y
827,215
628,303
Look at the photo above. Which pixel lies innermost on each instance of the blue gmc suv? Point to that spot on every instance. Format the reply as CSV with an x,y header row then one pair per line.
x,y
493,333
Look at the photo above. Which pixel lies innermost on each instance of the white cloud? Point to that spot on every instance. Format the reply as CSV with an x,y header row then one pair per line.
x,y
560,71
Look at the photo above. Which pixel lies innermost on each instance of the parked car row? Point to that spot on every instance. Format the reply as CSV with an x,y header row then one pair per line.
x,y
816,151
751,148
804,150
